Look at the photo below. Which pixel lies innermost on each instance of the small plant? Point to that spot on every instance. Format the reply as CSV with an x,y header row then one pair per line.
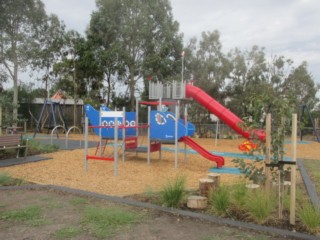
x,y
66,233
310,217
260,205
78,201
252,171
31,215
173,192
220,200
5,179
104,222
36,147
239,193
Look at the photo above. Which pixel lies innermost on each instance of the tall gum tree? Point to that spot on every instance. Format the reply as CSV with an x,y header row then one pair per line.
x,y
142,36
20,26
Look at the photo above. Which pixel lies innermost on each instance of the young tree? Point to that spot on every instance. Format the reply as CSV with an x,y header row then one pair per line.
x,y
20,27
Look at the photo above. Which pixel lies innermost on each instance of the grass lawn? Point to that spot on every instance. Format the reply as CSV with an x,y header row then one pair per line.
x,y
313,168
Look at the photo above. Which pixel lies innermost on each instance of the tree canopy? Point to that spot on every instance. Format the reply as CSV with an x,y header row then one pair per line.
x,y
129,43
21,31
141,38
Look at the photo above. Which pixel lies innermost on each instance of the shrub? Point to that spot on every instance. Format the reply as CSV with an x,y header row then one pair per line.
x,y
259,205
239,193
172,193
220,200
36,147
5,179
310,217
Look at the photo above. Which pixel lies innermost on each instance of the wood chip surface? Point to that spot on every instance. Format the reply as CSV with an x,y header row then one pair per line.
x,y
67,168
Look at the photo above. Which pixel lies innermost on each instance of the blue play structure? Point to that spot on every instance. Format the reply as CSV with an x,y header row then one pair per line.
x,y
162,124
108,133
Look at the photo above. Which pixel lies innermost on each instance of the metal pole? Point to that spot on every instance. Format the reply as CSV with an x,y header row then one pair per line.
x,y
123,134
137,118
186,126
160,104
100,133
182,65
115,154
149,141
217,131
86,123
176,136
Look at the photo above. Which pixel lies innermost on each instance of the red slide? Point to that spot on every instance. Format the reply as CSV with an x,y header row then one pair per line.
x,y
204,153
220,111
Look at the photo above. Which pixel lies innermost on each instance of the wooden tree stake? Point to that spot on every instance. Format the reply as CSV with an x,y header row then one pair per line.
x,y
268,153
293,171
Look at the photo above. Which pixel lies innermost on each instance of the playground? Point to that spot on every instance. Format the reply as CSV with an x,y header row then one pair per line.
x,y
114,158
135,176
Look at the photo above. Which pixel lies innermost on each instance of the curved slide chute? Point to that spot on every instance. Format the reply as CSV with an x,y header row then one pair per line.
x,y
203,152
162,127
221,112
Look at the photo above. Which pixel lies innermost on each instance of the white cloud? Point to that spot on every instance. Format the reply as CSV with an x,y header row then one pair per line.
x,y
286,27
76,14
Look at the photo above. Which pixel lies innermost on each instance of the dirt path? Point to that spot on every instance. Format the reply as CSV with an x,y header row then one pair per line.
x,y
61,211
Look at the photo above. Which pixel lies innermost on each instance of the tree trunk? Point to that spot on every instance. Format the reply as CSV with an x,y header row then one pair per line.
x,y
15,89
131,88
74,95
0,119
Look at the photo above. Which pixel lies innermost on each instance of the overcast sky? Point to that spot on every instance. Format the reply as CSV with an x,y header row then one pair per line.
x,y
283,27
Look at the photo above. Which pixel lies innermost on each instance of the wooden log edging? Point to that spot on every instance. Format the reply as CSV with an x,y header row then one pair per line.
x,y
197,202
205,186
